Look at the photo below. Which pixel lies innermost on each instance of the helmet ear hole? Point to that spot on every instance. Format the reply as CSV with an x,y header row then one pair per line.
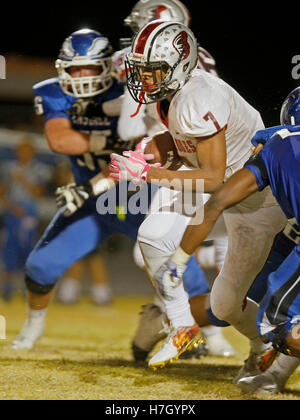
x,y
185,67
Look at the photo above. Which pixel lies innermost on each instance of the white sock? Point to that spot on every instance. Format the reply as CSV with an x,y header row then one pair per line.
x,y
206,257
178,309
37,314
211,330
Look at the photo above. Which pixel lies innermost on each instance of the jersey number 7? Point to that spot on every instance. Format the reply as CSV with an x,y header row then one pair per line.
x,y
210,116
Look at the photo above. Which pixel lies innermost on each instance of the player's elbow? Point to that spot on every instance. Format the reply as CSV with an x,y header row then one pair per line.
x,y
55,144
218,201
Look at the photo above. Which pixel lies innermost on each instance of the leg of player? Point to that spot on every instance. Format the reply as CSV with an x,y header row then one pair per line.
x,y
278,319
69,290
57,250
252,226
274,379
159,236
101,292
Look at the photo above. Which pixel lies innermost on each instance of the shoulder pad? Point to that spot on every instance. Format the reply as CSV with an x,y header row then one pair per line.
x,y
288,131
262,136
50,97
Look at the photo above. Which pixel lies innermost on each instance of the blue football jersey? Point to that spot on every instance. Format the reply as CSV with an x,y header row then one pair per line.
x,y
85,116
278,165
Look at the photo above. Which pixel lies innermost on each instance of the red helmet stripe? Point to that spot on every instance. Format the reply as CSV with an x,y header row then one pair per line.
x,y
158,12
143,37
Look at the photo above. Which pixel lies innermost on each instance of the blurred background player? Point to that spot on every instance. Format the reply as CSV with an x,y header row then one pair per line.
x,y
94,268
147,123
24,181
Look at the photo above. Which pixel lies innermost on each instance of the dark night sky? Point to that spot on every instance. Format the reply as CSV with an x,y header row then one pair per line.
x,y
253,46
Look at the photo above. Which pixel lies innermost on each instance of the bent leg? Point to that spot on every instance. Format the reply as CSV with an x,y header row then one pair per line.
x,y
279,313
251,228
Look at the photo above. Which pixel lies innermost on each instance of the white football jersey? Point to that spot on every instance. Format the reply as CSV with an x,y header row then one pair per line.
x,y
203,107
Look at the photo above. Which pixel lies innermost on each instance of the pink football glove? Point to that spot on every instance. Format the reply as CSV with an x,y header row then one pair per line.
x,y
141,146
132,166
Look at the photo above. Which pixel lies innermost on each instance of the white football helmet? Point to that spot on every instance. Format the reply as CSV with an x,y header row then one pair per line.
x,y
82,48
168,51
147,10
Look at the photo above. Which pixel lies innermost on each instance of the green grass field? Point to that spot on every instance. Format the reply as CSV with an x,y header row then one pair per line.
x,y
85,354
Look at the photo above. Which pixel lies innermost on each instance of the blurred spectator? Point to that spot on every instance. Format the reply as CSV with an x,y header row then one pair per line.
x,y
23,181
93,265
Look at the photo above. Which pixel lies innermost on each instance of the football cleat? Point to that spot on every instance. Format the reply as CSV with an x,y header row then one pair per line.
x,y
33,330
152,328
266,383
195,353
257,363
178,341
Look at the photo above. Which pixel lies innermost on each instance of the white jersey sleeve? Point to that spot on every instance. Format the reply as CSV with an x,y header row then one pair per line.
x,y
203,110
205,106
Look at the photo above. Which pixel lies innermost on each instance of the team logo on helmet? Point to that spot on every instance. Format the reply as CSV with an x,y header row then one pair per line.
x,y
181,45
67,48
100,47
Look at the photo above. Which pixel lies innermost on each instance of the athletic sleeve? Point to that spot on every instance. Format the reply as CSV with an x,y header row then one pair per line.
x,y
257,166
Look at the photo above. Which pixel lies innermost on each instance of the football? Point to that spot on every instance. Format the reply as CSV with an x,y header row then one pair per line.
x,y
164,150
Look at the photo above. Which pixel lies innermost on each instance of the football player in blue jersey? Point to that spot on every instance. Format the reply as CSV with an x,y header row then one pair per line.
x,y
81,108
275,164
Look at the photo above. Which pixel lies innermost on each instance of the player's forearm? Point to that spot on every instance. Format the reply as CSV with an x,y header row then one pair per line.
x,y
68,142
197,232
186,180
240,186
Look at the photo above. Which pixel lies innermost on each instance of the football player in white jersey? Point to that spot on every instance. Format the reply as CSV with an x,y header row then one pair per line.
x,y
145,11
212,127
147,123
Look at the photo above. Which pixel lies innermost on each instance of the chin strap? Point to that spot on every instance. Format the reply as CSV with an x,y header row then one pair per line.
x,y
139,106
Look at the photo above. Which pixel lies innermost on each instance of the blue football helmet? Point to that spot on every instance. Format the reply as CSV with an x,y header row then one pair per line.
x,y
290,111
82,48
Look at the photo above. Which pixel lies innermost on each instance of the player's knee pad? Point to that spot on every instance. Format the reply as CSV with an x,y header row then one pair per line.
x,y
223,305
162,230
40,276
36,288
